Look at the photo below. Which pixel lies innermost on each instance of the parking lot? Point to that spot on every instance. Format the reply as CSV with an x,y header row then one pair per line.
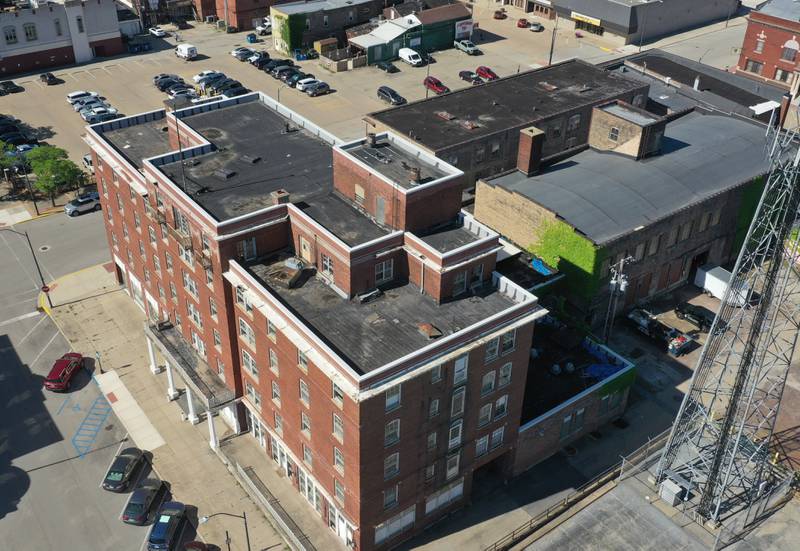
x,y
55,448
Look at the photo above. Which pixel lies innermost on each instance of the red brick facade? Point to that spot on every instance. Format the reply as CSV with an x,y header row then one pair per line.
x,y
338,459
37,61
770,50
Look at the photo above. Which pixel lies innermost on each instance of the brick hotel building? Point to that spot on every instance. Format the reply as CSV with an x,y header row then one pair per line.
x,y
330,298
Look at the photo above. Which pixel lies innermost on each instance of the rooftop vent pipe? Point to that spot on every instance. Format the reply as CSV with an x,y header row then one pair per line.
x,y
373,140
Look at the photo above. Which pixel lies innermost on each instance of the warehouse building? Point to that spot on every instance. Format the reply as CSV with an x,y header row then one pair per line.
x,y
672,193
638,21
477,129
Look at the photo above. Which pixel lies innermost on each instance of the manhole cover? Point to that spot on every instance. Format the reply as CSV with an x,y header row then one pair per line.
x,y
44,248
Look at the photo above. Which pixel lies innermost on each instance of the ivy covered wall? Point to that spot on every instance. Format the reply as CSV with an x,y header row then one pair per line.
x,y
574,256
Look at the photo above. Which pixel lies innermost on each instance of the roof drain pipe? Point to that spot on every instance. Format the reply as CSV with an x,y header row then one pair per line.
x,y
422,275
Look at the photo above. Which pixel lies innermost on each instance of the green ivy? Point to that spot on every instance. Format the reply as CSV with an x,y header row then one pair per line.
x,y
751,195
574,256
620,383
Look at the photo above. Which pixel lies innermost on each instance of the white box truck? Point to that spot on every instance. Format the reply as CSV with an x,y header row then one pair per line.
x,y
714,280
186,51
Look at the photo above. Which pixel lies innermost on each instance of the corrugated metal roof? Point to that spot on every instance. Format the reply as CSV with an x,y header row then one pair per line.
x,y
316,5
605,195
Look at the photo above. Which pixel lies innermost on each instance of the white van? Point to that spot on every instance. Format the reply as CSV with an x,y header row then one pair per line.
x,y
410,56
186,51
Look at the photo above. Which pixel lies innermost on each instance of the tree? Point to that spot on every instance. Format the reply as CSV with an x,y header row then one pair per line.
x,y
54,174
6,161
42,154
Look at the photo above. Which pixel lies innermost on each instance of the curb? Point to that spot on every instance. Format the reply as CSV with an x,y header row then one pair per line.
x,y
42,215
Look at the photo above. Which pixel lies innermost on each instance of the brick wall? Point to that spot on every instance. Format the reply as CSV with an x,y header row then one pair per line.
x,y
108,47
37,61
510,214
775,33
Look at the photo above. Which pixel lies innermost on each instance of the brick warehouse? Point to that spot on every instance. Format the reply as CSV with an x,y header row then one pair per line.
x,y
299,305
670,193
53,34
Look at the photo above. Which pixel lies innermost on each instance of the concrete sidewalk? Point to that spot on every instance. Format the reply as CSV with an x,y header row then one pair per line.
x,y
99,320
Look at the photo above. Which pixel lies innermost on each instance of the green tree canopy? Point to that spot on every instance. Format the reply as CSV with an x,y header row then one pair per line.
x,y
54,174
38,156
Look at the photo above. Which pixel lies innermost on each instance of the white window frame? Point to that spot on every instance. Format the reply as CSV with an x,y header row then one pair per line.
x,y
391,466
496,439
393,397
458,402
454,434
461,365
485,415
391,432
452,466
384,271
488,382
482,445
501,406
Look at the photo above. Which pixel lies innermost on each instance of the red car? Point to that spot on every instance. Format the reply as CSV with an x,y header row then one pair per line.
x,y
63,371
485,73
435,85
522,23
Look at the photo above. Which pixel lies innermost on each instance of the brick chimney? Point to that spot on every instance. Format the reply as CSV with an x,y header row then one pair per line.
x,y
280,197
529,152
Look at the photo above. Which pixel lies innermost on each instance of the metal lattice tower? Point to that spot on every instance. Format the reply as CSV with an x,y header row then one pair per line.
x,y
719,443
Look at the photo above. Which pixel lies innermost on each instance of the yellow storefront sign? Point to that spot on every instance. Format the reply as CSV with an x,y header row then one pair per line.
x,y
585,18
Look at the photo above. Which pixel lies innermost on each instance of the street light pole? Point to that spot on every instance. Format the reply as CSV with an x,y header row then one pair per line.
x,y
243,516
552,43
30,189
45,289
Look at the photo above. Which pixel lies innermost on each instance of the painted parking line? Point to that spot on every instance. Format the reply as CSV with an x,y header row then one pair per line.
x,y
86,433
43,350
20,318
30,332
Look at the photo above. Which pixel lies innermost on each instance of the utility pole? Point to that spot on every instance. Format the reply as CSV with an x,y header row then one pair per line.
x,y
617,286
552,43
30,189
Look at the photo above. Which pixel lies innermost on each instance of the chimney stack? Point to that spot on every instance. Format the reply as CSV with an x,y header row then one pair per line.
x,y
529,151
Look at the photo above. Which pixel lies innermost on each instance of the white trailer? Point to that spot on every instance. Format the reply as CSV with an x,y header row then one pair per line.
x,y
714,280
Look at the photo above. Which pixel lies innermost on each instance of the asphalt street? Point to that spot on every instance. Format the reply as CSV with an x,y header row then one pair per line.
x,y
54,448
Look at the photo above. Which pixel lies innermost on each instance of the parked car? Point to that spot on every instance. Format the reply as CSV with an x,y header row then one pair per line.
x,y
87,202
204,74
147,496
166,83
486,73
242,53
162,76
470,76
122,471
306,83
88,103
72,97
273,63
256,56
15,139
293,79
21,150
265,27
214,87
279,70
211,78
466,46
9,128
157,31
698,316
387,66
285,76
499,14
318,89
536,27
261,62
183,93
522,23
97,112
10,87
435,85
228,85
103,117
48,79
63,371
235,91
390,96
168,527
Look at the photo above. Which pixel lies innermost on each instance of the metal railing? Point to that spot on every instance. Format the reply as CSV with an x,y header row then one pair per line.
x,y
258,492
611,475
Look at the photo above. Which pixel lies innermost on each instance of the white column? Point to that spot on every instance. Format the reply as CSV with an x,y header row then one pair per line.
x,y
193,418
171,392
212,431
151,352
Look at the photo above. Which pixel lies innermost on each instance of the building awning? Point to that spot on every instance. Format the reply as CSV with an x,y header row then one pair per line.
x,y
766,107
191,367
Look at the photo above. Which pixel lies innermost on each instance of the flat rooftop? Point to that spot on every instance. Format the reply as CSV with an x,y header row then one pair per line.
x,y
448,238
606,195
254,155
317,5
371,335
515,101
394,162
339,217
784,9
140,141
636,116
